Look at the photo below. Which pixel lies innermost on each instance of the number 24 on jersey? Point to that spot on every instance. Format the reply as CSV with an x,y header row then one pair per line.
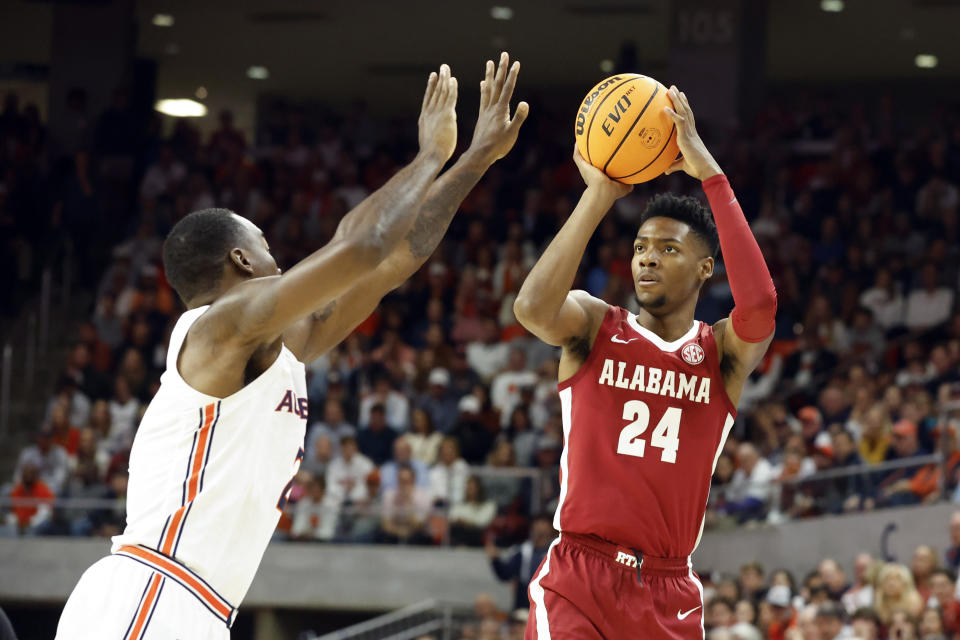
x,y
665,435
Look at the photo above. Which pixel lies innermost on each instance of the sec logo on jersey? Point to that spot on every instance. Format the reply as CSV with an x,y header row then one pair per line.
x,y
692,353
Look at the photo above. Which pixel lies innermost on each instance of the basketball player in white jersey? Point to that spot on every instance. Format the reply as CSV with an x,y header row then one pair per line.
x,y
216,452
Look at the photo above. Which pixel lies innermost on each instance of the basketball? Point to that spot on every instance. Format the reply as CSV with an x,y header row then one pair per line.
x,y
622,130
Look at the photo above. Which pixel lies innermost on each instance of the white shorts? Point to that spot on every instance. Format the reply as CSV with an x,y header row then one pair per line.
x,y
138,594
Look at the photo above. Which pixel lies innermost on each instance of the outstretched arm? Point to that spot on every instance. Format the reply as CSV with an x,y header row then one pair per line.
x,y
744,336
545,305
494,136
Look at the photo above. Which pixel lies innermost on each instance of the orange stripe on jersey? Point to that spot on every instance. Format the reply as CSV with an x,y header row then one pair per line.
x,y
144,611
173,530
177,572
198,456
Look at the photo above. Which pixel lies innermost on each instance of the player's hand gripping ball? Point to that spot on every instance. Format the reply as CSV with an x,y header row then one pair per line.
x,y
621,128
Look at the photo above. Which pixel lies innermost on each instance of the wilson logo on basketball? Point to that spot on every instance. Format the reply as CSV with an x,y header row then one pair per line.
x,y
692,353
650,137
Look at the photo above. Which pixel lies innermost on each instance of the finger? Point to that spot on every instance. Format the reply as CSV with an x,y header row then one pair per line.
x,y
676,166
452,92
674,94
523,110
499,77
486,86
443,83
431,88
509,85
676,117
687,111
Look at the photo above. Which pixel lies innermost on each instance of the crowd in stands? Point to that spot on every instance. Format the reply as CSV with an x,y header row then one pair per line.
x,y
419,419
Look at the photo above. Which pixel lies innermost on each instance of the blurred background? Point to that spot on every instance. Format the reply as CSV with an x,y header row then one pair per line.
x,y
838,123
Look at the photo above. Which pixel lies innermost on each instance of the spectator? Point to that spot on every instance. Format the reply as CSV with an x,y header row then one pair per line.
x,y
438,402
448,477
745,612
405,511
749,488
866,624
30,519
896,488
470,519
884,300
930,305
943,598
505,388
347,473
502,490
751,581
376,440
423,439
895,592
860,594
319,454
315,513
831,622
720,613
50,459
833,577
65,435
952,554
874,439
403,457
488,356
519,563
931,624
523,436
783,615
923,565
334,425
394,404
124,412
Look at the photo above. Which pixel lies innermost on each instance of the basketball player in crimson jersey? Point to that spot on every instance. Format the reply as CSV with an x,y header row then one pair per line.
x,y
647,402
213,459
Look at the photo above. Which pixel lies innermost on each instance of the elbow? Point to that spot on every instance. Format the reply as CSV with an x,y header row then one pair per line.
x,y
523,309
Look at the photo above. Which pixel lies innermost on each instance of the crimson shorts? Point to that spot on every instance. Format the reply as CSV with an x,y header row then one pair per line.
x,y
588,588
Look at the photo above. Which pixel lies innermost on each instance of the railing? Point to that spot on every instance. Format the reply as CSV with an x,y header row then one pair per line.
x,y
409,623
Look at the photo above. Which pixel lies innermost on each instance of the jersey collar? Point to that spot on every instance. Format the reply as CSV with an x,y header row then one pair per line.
x,y
659,342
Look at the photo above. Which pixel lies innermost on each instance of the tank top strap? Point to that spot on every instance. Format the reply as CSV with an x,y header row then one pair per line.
x,y
179,334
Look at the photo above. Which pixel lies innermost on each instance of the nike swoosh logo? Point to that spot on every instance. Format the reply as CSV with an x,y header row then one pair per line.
x,y
683,615
617,339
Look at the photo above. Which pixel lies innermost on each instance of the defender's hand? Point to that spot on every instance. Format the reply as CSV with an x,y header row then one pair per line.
x,y
496,132
438,116
599,181
696,160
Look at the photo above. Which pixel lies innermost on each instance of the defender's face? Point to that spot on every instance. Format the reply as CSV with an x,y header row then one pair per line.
x,y
256,250
669,264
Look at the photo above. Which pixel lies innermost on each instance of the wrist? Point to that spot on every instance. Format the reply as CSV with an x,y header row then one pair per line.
x,y
601,193
478,158
431,158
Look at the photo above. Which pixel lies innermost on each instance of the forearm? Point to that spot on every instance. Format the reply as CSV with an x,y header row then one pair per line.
x,y
433,217
548,283
754,296
384,217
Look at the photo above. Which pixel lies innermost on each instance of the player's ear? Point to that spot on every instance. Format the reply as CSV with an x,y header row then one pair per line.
x,y
240,261
705,268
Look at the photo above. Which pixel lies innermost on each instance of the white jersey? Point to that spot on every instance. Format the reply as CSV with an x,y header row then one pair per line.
x,y
208,476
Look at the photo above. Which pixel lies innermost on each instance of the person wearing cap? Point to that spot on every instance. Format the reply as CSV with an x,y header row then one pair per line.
x,y
784,615
439,402
896,488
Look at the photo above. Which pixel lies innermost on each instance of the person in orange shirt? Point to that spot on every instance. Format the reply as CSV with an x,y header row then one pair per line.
x,y
784,615
30,519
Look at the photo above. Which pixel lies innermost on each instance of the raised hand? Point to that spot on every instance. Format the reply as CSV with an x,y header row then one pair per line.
x,y
438,116
598,180
496,132
696,160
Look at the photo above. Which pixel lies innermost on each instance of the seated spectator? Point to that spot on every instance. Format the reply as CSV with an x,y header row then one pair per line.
x,y
448,477
347,473
896,488
439,402
423,439
931,624
522,434
943,597
50,459
749,488
405,512
751,581
470,519
315,513
719,613
477,426
124,412
29,519
394,404
860,594
64,434
745,612
922,566
376,440
334,424
319,454
783,615
831,622
505,387
874,438
930,304
884,300
866,624
520,563
488,356
894,592
502,490
952,553
403,457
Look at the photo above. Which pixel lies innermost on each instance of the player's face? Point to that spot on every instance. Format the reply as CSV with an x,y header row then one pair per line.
x,y
257,251
669,264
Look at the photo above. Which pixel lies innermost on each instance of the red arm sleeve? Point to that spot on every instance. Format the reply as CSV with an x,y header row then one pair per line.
x,y
754,297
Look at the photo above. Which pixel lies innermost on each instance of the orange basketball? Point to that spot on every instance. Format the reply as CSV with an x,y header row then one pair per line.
x,y
622,130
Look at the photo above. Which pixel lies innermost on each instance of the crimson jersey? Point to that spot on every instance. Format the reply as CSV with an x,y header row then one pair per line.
x,y
644,422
